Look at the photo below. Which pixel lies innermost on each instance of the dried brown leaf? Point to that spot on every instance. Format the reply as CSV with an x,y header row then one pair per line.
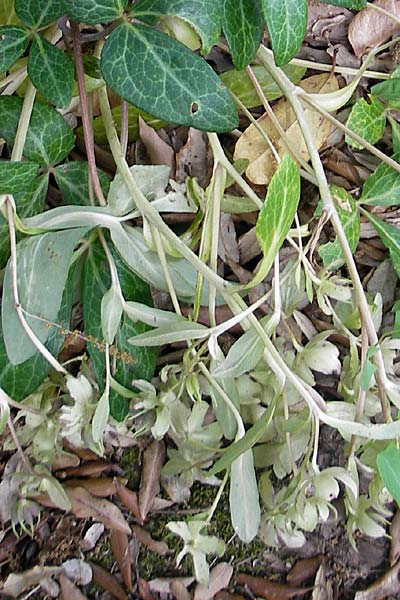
x,y
119,544
144,590
179,590
89,469
69,591
269,589
162,585
153,460
304,569
253,147
220,577
145,538
369,28
228,596
159,151
108,582
101,488
65,460
129,499
387,585
16,583
394,554
228,244
194,159
84,506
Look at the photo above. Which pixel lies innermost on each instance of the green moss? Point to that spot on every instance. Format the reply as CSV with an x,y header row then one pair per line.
x,y
130,463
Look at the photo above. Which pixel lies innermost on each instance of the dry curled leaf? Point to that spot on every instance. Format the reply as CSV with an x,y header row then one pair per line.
x,y
220,577
145,538
304,569
253,147
179,591
144,590
119,544
84,506
269,589
101,488
129,499
153,460
89,469
108,582
69,591
370,28
159,151
16,583
194,159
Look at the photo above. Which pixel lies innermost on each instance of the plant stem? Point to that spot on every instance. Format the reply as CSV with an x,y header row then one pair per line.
x,y
309,64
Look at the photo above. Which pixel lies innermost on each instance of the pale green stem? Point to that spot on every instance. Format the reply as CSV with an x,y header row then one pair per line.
x,y
309,64
218,192
164,263
217,498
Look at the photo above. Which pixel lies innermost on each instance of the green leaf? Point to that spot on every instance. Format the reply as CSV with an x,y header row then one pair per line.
x,y
353,4
135,363
16,176
243,27
243,498
389,235
43,263
13,43
203,15
395,134
331,252
99,131
51,72
111,313
388,90
72,178
28,203
49,140
382,187
368,120
21,380
39,13
7,13
277,213
239,83
95,11
388,463
287,24
169,80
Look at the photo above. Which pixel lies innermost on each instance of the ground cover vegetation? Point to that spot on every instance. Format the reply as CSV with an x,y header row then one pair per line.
x,y
200,316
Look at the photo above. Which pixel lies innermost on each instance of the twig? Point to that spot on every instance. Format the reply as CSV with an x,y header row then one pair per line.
x,y
18,446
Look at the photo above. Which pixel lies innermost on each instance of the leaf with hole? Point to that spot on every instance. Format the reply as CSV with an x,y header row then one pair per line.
x,y
51,72
242,23
16,176
43,263
203,15
382,187
277,214
95,11
331,252
287,23
39,13
169,81
49,139
388,463
13,43
368,120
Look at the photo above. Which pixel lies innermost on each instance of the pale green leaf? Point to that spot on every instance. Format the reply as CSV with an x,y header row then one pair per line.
x,y
51,72
111,313
16,176
368,120
7,13
395,134
169,80
287,23
382,187
388,90
13,43
243,27
243,498
101,415
4,410
95,11
277,213
388,463
203,15
180,332
43,263
39,13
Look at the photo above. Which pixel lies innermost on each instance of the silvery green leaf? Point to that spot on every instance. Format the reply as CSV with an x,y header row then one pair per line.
x,y
225,417
111,312
151,179
100,417
79,388
151,316
180,332
242,357
243,497
4,410
56,493
321,355
66,217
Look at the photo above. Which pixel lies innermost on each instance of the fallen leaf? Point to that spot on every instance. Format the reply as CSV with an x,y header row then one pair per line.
x,y
65,460
68,590
153,460
194,159
228,596
220,577
84,506
161,585
129,499
101,488
144,590
394,554
323,589
269,589
92,536
387,585
89,469
78,571
304,569
227,243
252,146
16,583
120,548
369,28
179,591
159,151
145,538
108,582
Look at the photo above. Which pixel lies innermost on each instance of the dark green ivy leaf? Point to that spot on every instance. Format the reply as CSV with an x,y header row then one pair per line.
x,y
243,27
203,15
49,139
382,187
287,24
28,203
39,13
51,72
16,176
96,283
13,43
95,11
73,180
169,81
